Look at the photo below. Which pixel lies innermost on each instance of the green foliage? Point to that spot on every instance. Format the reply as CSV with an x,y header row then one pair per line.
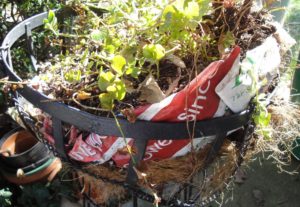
x,y
154,52
113,88
51,22
262,118
118,64
73,76
41,195
5,197
105,80
14,11
107,101
99,35
126,40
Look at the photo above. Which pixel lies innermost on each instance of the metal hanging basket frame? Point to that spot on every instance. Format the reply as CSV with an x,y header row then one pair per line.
x,y
140,131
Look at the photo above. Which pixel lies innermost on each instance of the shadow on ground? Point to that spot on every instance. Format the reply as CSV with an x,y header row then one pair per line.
x,y
265,186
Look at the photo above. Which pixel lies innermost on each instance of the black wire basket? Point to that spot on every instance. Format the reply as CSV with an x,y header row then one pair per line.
x,y
141,131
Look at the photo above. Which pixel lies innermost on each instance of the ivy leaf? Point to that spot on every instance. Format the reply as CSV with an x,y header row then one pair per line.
x,y
107,102
154,52
121,90
117,90
112,90
105,80
118,63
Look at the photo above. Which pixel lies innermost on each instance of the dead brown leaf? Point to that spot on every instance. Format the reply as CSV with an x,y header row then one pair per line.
x,y
82,95
150,90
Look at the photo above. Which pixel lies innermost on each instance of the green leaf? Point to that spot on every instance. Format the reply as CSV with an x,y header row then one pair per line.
x,y
106,100
192,9
121,90
84,57
204,6
111,89
133,71
154,52
99,35
51,16
51,23
110,49
105,80
73,76
90,65
5,193
118,63
117,90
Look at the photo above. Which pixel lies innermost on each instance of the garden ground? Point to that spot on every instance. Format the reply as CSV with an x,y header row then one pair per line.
x,y
265,186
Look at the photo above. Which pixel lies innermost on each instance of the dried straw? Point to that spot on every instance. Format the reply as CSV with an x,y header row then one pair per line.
x,y
178,170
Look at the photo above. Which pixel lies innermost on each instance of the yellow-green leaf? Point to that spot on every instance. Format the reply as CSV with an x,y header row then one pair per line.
x,y
105,80
99,35
154,52
118,63
107,102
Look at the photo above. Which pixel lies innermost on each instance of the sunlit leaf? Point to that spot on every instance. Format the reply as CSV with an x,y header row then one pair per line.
x,y
110,49
106,100
133,71
111,89
118,63
90,65
73,76
99,35
154,52
192,9
51,16
121,90
105,79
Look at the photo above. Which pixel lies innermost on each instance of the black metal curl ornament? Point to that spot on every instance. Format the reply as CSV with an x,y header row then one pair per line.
x,y
141,131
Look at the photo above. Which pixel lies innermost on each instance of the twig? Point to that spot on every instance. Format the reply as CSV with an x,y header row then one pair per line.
x,y
54,100
14,82
242,13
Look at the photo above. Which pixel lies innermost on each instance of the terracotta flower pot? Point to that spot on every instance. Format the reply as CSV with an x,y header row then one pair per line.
x,y
24,159
21,149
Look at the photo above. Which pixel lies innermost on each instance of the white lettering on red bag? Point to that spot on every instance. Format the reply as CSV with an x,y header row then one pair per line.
x,y
83,152
156,147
